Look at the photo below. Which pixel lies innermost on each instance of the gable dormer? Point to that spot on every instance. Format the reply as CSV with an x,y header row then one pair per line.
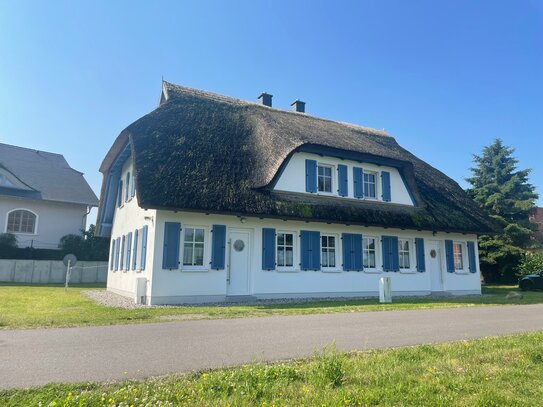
x,y
325,172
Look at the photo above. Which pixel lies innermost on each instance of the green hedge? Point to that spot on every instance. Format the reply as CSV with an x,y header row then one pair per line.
x,y
29,253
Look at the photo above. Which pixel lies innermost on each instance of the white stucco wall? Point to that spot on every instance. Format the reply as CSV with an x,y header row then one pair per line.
x,y
181,285
128,218
293,177
54,220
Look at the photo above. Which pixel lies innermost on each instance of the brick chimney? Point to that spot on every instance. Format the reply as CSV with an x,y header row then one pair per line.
x,y
266,99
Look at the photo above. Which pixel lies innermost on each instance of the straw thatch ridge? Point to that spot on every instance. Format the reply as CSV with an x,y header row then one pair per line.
x,y
204,152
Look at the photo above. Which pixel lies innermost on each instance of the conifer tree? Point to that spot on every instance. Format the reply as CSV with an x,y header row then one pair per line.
x,y
505,193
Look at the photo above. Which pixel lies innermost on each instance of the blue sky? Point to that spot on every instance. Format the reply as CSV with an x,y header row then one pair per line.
x,y
444,78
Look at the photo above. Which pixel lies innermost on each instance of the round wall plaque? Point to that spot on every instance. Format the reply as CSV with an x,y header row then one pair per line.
x,y
433,254
239,245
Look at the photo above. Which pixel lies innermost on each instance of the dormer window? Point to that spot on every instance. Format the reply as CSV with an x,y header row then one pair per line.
x,y
324,178
370,189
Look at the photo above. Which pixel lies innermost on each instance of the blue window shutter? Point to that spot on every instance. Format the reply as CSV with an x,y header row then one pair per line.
x,y
133,187
268,249
391,259
128,251
311,176
305,247
218,247
346,241
112,255
421,258
356,249
310,248
343,183
117,249
143,246
471,257
385,184
358,182
135,251
315,250
170,256
449,255
387,261
123,242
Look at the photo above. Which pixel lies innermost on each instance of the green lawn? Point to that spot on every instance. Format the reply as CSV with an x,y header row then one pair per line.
x,y
504,371
31,306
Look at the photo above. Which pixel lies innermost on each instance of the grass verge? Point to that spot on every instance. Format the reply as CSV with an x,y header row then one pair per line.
x,y
503,371
34,306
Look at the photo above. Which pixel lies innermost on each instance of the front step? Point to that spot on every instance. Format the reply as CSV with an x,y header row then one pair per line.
x,y
240,298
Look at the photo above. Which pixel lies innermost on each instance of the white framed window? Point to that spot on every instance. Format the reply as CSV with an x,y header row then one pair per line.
x,y
324,178
285,250
194,246
369,252
120,194
370,185
328,251
458,256
127,187
21,221
405,253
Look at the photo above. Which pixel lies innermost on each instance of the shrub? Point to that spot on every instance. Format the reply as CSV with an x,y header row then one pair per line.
x,y
8,241
531,263
86,246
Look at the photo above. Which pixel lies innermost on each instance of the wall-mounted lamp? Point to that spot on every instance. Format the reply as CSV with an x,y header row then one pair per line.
x,y
151,218
243,220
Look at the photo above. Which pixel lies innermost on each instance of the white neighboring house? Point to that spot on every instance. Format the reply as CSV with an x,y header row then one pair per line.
x,y
41,197
209,198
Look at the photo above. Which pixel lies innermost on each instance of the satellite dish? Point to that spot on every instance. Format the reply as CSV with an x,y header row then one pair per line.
x,y
69,258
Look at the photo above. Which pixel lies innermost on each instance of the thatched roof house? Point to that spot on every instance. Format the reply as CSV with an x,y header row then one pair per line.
x,y
209,184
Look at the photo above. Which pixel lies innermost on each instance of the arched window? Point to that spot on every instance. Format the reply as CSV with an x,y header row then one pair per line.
x,y
21,221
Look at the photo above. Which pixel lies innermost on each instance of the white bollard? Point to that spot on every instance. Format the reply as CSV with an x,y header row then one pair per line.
x,y
385,290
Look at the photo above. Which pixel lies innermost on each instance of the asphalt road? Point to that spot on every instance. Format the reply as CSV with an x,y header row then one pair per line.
x,y
36,357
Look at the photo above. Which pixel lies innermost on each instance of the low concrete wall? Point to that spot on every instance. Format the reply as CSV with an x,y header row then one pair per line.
x,y
51,272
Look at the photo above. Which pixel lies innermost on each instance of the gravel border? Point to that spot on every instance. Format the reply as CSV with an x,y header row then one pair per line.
x,y
110,299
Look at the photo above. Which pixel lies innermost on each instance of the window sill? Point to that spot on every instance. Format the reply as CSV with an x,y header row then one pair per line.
x,y
23,233
194,270
462,272
373,271
330,270
287,270
408,271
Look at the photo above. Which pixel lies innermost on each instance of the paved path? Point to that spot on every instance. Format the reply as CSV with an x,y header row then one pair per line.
x,y
36,357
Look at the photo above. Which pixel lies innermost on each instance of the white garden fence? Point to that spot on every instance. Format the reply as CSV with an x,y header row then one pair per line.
x,y
51,272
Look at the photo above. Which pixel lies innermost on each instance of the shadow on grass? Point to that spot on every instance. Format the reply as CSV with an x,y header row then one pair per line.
x,y
491,295
74,285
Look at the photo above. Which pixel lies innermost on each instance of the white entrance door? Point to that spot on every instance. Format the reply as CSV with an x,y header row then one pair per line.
x,y
433,260
240,260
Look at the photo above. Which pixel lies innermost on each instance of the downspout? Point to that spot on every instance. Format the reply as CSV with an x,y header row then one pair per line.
x,y
84,220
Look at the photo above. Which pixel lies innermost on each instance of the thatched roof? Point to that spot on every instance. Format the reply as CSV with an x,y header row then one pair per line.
x,y
204,152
